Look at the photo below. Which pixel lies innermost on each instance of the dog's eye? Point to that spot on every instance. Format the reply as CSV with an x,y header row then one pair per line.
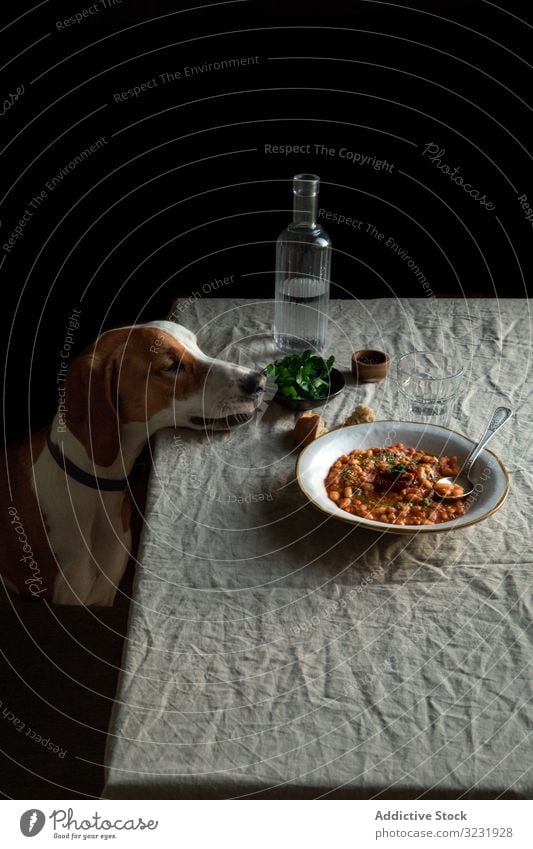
x,y
173,368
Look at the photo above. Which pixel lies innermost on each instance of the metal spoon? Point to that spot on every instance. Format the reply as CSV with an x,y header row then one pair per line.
x,y
498,419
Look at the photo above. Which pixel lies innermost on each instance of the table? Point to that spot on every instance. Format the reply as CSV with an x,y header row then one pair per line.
x,y
274,652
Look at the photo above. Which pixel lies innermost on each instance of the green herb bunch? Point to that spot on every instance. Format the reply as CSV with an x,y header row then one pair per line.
x,y
302,375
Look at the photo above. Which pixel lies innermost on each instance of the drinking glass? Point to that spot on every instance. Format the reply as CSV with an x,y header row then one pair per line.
x,y
429,382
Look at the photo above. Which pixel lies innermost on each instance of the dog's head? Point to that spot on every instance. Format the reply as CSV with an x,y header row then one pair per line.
x,y
155,374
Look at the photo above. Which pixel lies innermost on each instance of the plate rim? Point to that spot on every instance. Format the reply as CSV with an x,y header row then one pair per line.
x,y
407,529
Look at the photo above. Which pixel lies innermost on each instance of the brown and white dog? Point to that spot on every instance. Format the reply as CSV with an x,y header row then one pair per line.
x,y
64,501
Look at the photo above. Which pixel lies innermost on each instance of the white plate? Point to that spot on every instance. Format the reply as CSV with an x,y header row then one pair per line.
x,y
314,462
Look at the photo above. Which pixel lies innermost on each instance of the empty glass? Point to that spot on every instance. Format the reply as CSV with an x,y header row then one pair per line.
x,y
429,382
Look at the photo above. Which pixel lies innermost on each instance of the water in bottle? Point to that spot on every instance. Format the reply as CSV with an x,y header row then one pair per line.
x,y
303,261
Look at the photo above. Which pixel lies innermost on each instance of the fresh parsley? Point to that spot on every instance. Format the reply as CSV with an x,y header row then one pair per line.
x,y
302,375
400,467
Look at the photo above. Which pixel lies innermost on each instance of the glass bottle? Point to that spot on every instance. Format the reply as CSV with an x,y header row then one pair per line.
x,y
303,262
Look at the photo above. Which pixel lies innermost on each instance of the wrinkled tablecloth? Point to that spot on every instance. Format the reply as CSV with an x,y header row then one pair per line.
x,y
272,651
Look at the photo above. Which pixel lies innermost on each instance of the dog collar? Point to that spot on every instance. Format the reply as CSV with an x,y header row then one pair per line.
x,y
86,478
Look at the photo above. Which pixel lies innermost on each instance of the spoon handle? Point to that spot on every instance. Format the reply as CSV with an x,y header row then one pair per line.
x,y
498,419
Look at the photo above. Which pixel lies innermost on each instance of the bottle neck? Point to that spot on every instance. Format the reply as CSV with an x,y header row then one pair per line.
x,y
304,211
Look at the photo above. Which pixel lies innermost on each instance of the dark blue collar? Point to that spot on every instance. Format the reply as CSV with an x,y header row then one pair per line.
x,y
86,478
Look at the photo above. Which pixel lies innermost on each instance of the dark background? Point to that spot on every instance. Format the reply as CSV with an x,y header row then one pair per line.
x,y
183,191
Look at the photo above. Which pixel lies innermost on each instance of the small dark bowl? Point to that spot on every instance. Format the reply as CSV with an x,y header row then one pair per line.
x,y
336,385
371,372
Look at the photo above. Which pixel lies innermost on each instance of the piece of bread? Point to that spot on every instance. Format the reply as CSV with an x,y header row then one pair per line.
x,y
309,426
361,414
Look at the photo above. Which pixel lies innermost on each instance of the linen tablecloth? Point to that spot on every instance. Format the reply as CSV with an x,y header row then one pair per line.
x,y
272,651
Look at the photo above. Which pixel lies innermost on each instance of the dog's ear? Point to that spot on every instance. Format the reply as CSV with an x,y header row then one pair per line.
x,y
91,400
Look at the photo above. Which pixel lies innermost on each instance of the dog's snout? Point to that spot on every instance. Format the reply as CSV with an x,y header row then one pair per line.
x,y
253,383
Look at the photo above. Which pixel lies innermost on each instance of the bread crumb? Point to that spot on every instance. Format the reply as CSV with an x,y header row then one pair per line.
x,y
360,415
